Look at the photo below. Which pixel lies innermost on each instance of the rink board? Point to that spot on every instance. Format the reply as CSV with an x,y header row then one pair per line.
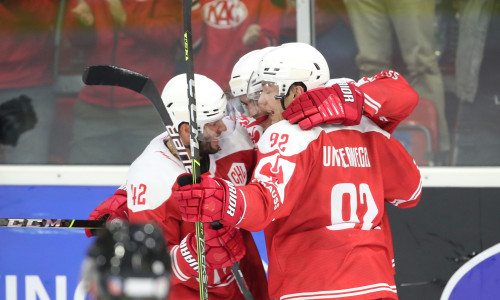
x,y
45,263
479,278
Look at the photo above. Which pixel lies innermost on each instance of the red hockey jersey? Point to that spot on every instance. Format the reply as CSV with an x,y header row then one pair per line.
x,y
150,182
330,238
237,156
320,195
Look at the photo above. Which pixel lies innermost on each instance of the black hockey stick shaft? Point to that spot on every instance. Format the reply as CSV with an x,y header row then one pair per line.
x,y
51,223
195,150
238,275
142,84
241,281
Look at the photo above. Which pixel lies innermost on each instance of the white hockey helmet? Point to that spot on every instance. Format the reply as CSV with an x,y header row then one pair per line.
x,y
243,69
211,101
294,62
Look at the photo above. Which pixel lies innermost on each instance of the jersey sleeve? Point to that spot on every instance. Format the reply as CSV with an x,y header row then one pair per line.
x,y
150,200
149,193
401,176
389,99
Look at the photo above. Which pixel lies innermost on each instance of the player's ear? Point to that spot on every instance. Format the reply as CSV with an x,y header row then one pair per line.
x,y
184,133
294,91
298,89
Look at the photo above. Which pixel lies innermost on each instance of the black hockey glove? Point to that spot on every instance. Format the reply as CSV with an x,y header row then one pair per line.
x,y
16,116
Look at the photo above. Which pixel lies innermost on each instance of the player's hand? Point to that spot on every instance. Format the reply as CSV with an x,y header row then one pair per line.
x,y
113,208
118,13
342,103
251,35
84,14
223,248
16,117
213,199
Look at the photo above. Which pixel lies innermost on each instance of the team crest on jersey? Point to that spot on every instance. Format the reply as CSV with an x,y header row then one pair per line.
x,y
274,172
238,174
254,134
224,13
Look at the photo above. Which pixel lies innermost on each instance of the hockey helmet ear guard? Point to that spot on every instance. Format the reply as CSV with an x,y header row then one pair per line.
x,y
254,89
238,105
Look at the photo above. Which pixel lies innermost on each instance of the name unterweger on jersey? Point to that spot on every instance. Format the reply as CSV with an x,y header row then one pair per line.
x,y
346,157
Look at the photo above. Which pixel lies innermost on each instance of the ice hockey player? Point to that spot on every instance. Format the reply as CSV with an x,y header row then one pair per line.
x,y
255,119
319,194
151,179
127,261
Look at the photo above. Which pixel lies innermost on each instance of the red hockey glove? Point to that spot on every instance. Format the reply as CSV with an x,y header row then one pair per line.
x,y
223,248
342,103
115,207
213,199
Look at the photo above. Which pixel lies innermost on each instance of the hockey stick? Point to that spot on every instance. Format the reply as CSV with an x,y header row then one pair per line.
x,y
142,84
51,223
188,51
195,149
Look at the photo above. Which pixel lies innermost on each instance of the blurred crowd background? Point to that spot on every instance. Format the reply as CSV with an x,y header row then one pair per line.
x,y
446,49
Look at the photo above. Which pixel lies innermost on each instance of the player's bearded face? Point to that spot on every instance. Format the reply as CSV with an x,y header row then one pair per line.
x,y
209,144
269,103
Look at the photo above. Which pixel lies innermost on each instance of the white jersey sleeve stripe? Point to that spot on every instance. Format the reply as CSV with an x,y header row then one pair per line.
x,y
244,207
418,191
372,103
175,265
415,195
363,290
229,279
